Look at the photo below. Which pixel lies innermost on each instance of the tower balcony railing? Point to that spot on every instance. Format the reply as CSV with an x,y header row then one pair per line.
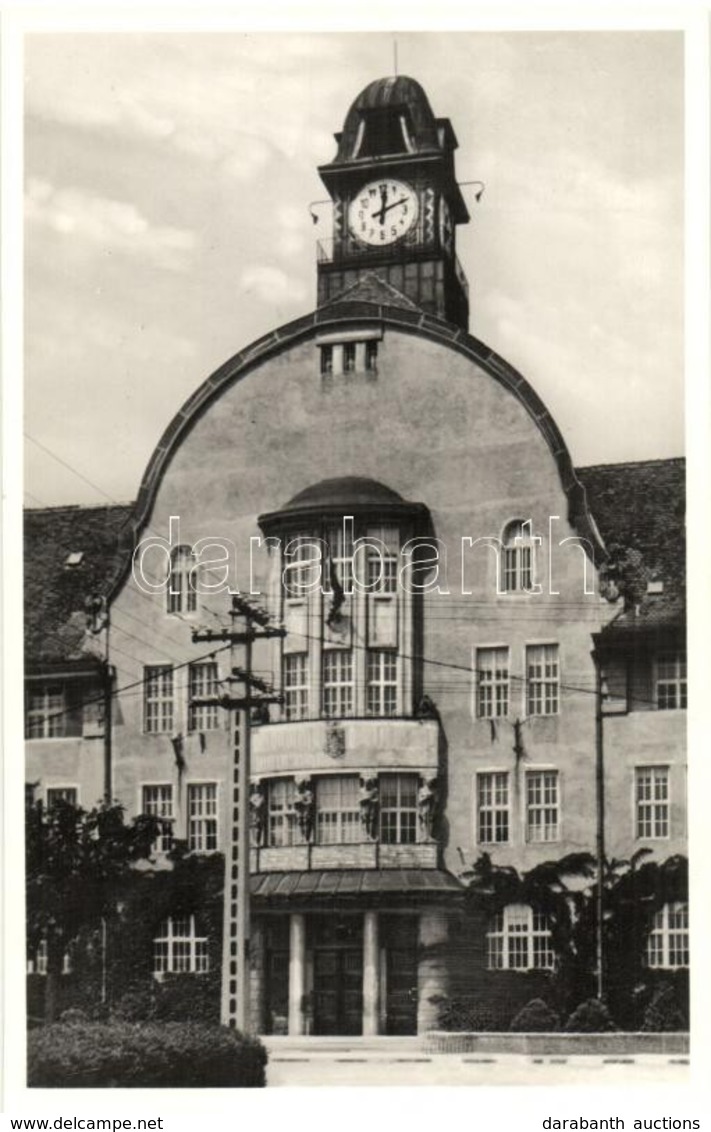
x,y
418,245
419,239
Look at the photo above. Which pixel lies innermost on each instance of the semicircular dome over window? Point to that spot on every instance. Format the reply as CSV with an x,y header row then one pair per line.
x,y
345,495
343,490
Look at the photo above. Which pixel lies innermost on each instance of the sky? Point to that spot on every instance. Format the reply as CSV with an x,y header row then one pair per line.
x,y
168,178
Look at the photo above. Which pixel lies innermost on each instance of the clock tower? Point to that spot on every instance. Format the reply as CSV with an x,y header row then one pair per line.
x,y
396,202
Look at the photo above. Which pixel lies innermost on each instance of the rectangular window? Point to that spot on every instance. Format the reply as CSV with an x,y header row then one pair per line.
x,y
301,566
542,679
158,699
671,681
519,939
282,827
327,359
371,356
349,357
340,566
202,817
37,964
338,810
668,940
296,686
518,942
652,801
542,805
158,803
46,717
337,683
492,682
493,808
542,943
61,794
382,682
383,556
202,682
178,948
182,590
398,809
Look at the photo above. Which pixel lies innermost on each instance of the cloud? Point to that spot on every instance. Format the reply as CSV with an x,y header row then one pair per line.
x,y
272,285
112,225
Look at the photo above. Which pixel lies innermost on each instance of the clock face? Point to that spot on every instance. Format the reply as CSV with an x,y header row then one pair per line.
x,y
383,212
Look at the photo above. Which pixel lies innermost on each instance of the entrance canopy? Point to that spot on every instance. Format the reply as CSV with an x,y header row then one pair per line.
x,y
319,884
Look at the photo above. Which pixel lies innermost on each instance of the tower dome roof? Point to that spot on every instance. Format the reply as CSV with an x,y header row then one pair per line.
x,y
390,115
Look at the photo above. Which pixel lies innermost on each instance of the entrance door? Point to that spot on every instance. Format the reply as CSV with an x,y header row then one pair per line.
x,y
401,1007
338,991
399,938
277,992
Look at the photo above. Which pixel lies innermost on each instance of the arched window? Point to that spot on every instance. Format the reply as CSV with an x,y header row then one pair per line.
x,y
182,588
517,567
668,940
178,949
519,939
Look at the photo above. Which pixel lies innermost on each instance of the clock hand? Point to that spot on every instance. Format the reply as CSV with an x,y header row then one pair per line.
x,y
381,211
380,214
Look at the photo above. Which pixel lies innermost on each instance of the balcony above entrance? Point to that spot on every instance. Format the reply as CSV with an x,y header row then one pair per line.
x,y
322,747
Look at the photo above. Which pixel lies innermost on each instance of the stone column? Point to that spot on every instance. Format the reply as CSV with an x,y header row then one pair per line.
x,y
297,972
432,972
371,974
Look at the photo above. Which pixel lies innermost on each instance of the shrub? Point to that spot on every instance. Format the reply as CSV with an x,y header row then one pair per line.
x,y
189,998
74,1016
663,1014
121,1055
136,1005
535,1017
465,1015
591,1017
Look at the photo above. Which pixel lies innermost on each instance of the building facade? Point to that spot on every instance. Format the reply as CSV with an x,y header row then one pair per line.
x,y
456,607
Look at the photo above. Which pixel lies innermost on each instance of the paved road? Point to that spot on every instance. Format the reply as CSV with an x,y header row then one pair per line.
x,y
410,1067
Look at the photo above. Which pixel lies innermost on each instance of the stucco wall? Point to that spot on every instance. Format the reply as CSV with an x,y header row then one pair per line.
x,y
436,428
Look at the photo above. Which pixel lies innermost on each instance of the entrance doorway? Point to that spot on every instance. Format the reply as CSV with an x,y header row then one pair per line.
x,y
400,939
338,991
336,943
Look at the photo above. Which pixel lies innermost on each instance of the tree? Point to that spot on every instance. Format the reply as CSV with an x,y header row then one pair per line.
x,y
560,889
566,891
76,862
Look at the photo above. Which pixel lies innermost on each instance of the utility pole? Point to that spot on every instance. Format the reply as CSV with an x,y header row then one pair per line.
x,y
108,716
236,931
600,838
98,615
